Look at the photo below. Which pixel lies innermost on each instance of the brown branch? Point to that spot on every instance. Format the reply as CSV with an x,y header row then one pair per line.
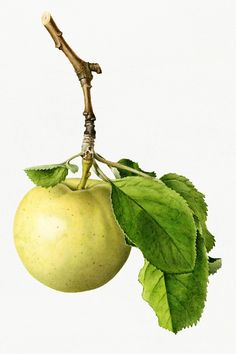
x,y
84,72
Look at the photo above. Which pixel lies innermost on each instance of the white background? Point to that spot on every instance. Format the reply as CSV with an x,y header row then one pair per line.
x,y
166,98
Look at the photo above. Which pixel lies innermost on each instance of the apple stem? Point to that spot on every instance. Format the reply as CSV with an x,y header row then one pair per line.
x,y
84,73
86,165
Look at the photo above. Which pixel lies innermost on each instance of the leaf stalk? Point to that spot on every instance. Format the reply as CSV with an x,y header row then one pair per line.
x,y
119,165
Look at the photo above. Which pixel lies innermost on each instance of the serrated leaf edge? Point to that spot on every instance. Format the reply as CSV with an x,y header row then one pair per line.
x,y
45,186
184,201
44,167
189,325
189,183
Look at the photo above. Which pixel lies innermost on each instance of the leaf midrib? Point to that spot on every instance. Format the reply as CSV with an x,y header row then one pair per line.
x,y
157,224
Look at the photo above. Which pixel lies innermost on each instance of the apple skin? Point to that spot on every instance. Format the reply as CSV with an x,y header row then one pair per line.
x,y
68,239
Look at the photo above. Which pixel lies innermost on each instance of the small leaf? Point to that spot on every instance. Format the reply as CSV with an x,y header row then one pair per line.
x,y
196,202
47,175
208,238
44,167
177,299
214,264
157,220
134,165
73,168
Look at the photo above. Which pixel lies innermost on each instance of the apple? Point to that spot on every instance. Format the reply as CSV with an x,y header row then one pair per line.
x,y
69,239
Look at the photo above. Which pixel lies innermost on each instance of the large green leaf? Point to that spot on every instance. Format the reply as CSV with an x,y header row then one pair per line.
x,y
157,220
196,202
177,299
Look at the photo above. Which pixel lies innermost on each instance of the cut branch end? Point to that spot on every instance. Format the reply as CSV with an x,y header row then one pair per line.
x,y
46,17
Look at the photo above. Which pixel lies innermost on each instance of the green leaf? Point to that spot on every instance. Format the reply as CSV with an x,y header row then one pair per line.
x,y
73,168
134,165
214,264
186,189
177,299
208,238
47,175
196,202
157,220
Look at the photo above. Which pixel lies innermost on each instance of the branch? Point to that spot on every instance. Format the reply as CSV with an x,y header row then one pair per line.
x,y
84,72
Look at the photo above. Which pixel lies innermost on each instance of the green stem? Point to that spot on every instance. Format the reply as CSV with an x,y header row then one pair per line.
x,y
86,165
99,172
119,165
72,158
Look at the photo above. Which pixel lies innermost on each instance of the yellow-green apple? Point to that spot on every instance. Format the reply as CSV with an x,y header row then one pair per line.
x,y
69,239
